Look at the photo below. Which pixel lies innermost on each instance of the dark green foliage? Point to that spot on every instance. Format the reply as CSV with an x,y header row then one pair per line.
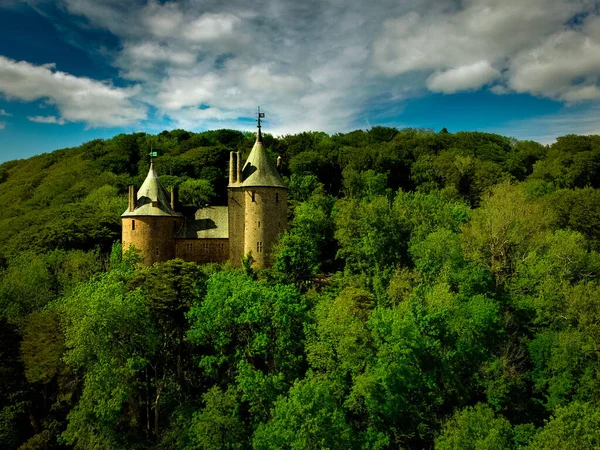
x,y
433,290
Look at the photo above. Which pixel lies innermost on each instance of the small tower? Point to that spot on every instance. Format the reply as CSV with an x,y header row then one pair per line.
x,y
257,205
150,222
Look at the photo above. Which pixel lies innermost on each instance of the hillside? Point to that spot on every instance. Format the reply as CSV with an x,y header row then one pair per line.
x,y
433,290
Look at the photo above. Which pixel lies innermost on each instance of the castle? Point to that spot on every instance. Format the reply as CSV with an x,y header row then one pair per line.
x,y
250,224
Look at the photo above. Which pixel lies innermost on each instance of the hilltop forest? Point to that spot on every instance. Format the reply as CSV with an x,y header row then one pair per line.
x,y
432,291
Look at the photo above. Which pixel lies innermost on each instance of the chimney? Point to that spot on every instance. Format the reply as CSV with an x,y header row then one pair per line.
x,y
131,198
239,168
174,198
231,168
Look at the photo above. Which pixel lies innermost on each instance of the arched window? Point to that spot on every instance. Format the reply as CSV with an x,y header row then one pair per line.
x,y
133,225
253,197
276,197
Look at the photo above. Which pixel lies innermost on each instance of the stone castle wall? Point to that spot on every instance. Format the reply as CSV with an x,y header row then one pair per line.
x,y
202,251
236,225
153,236
265,219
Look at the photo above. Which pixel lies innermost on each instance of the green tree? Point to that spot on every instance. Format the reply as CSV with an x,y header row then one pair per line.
x,y
309,418
218,425
576,425
197,193
252,334
476,428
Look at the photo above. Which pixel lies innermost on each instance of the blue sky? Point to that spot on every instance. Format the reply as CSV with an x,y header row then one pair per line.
x,y
76,70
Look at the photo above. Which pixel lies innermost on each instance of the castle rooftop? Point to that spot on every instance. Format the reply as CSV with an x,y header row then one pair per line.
x,y
259,170
152,198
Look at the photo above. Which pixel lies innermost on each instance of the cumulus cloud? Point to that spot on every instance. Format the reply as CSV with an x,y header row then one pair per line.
x,y
2,125
329,64
463,78
539,45
78,99
4,113
46,119
565,66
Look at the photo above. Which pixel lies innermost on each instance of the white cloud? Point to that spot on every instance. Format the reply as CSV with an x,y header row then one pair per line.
x,y
333,64
551,68
463,78
2,125
46,119
78,99
4,113
153,52
210,27
531,40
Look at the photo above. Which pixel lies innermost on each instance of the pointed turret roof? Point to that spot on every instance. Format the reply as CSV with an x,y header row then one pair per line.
x,y
259,170
152,198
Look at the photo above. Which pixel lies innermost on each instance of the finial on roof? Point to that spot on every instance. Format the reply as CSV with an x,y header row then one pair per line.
x,y
152,155
259,135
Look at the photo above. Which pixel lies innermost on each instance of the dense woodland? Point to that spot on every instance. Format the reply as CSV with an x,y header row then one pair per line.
x,y
433,290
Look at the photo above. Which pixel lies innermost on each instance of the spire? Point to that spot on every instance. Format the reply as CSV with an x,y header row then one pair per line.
x,y
152,197
260,116
259,170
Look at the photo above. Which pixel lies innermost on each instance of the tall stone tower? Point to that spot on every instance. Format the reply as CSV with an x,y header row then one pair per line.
x,y
150,222
257,205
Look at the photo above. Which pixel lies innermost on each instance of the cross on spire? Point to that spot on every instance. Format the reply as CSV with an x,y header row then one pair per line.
x,y
260,116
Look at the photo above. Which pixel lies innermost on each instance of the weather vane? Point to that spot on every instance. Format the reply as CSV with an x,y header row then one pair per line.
x,y
152,154
260,116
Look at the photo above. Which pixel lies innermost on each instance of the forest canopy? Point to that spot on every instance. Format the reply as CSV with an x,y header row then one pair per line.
x,y
433,290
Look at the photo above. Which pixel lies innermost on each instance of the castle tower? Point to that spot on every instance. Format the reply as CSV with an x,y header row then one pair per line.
x,y
257,205
150,222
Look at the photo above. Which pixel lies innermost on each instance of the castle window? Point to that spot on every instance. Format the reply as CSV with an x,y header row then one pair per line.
x,y
259,224
259,247
156,251
253,197
205,248
276,197
155,204
190,247
133,224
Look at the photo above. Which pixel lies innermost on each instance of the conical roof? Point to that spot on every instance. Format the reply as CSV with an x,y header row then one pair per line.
x,y
259,170
152,198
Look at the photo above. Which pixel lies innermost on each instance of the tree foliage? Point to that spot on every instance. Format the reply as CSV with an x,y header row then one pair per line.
x,y
432,290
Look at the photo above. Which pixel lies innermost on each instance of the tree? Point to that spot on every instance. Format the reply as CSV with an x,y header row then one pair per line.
x,y
309,418
109,340
576,425
504,230
252,334
197,193
218,425
476,428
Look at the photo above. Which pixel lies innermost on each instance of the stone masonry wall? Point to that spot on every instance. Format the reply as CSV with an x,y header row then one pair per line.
x,y
202,251
265,220
236,225
153,236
